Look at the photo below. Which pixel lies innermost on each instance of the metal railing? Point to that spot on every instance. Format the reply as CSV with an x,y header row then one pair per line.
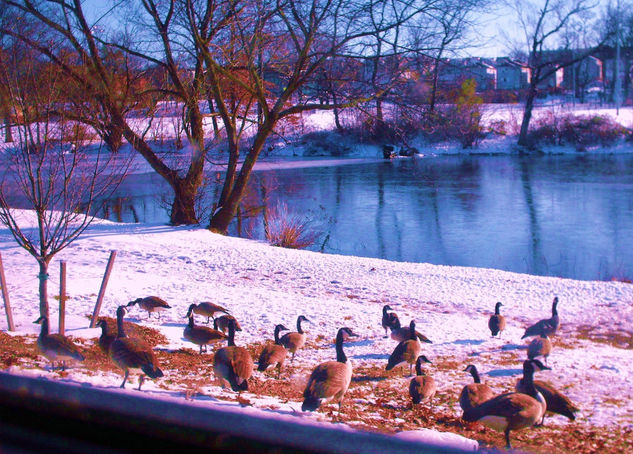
x,y
39,415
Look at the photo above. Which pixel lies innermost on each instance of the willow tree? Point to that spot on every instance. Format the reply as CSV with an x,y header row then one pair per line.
x,y
246,44
63,27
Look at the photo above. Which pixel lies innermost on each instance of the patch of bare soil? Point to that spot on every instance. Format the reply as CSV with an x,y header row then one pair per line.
x,y
614,338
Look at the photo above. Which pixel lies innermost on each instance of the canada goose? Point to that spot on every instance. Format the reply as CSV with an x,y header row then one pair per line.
x,y
400,334
107,336
273,354
540,346
511,411
150,304
389,319
207,309
131,354
497,322
329,380
201,335
556,401
232,364
548,325
406,351
476,393
422,387
293,341
222,323
56,347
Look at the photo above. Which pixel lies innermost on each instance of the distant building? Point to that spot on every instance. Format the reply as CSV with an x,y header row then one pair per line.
x,y
454,71
511,74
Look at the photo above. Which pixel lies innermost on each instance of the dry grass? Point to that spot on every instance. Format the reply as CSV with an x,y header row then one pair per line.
x,y
285,229
618,339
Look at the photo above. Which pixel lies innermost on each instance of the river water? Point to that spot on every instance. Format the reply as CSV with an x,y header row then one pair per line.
x,y
555,215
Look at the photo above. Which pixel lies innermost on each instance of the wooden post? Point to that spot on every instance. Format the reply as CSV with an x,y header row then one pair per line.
x,y
104,283
5,297
62,297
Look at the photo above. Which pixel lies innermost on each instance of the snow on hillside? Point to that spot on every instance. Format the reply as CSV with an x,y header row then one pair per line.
x,y
264,285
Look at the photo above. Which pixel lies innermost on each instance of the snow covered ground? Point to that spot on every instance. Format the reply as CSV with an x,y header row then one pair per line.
x,y
592,361
264,285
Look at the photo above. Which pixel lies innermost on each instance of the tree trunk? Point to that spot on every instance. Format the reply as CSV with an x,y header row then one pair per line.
x,y
221,219
113,137
43,277
183,207
527,115
8,134
337,120
214,120
436,75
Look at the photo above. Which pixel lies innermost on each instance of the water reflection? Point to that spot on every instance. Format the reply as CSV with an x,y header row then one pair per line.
x,y
569,216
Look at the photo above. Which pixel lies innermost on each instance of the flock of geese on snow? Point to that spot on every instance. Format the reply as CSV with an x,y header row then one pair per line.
x,y
233,365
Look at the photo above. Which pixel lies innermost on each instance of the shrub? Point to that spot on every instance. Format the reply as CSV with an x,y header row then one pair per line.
x,y
285,229
580,132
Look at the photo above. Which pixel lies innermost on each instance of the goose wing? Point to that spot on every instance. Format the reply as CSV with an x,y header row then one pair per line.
x,y
556,401
59,345
130,353
474,394
271,354
327,380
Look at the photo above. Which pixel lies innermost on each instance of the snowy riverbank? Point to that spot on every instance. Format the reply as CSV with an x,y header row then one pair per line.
x,y
263,286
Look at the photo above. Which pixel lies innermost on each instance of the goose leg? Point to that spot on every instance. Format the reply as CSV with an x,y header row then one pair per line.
x,y
507,434
124,379
141,379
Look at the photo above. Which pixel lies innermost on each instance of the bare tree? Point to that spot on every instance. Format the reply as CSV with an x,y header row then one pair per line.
x,y
295,39
543,23
51,169
63,25
617,22
248,59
